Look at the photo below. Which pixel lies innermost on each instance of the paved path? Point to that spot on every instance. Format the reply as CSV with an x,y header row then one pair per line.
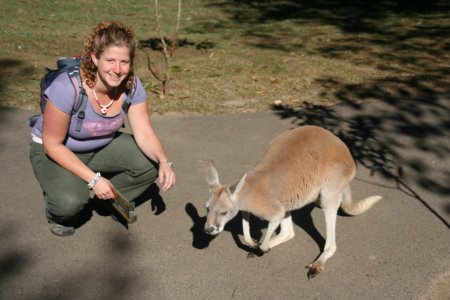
x,y
397,250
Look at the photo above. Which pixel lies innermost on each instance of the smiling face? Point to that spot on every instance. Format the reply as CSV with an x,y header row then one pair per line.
x,y
221,209
113,66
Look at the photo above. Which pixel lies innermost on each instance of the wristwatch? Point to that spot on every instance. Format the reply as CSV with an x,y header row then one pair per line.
x,y
169,162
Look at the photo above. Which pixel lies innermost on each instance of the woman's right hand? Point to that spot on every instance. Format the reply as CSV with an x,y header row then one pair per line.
x,y
103,189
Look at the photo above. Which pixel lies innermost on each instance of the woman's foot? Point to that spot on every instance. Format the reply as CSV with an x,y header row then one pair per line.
x,y
61,230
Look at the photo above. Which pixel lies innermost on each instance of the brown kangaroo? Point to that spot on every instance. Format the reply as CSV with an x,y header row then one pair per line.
x,y
303,165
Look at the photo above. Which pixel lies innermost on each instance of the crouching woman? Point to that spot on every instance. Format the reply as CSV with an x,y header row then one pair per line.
x,y
68,161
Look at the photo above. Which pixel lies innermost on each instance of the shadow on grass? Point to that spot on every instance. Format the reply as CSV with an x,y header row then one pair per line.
x,y
409,40
7,65
264,19
155,44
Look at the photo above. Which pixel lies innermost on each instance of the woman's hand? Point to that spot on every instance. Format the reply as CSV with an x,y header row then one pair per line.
x,y
166,176
102,189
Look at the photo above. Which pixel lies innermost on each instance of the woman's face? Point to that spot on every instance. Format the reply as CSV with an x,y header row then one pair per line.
x,y
113,65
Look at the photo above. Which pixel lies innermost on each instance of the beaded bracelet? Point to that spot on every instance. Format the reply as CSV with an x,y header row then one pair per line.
x,y
94,180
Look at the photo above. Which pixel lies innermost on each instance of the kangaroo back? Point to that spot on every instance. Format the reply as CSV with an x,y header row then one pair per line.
x,y
299,164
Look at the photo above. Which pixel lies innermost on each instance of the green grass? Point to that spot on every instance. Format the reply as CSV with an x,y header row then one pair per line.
x,y
244,55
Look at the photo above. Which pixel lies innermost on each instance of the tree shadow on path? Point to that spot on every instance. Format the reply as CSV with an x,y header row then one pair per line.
x,y
402,140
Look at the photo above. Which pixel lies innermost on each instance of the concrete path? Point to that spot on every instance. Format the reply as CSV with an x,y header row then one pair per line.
x,y
397,250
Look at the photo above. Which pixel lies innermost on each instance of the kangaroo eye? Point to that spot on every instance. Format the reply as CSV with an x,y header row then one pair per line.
x,y
222,213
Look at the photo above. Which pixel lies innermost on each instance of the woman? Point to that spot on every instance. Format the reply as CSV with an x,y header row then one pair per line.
x,y
68,163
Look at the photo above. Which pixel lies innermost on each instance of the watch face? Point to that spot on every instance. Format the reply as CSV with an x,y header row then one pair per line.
x,y
169,162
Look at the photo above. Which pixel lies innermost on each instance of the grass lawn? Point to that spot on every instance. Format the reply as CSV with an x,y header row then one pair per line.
x,y
238,56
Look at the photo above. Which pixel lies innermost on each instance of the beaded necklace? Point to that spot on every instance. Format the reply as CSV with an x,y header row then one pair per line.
x,y
103,108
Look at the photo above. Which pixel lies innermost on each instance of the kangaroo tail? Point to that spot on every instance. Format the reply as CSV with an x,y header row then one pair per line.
x,y
354,208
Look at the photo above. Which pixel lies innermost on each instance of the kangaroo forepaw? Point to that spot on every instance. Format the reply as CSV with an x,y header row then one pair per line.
x,y
315,269
252,244
256,252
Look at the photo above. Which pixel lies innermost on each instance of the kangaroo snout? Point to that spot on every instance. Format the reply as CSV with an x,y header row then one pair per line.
x,y
212,230
209,230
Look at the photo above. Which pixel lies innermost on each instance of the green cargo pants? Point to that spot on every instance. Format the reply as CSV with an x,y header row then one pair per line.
x,y
121,161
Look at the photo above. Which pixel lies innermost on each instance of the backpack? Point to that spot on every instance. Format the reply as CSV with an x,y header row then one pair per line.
x,y
71,66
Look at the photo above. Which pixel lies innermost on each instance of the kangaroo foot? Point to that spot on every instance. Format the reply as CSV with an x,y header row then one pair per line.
x,y
252,243
315,269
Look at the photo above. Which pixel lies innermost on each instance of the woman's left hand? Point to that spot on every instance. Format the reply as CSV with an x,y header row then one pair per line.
x,y
167,176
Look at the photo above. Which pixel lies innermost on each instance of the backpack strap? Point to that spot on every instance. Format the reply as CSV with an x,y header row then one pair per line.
x,y
81,111
75,78
126,103
81,98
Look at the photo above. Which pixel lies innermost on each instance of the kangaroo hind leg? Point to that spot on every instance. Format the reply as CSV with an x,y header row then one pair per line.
x,y
330,205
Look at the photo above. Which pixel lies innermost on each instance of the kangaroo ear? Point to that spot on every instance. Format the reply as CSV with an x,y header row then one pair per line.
x,y
211,174
237,187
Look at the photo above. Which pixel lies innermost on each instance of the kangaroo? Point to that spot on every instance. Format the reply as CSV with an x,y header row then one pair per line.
x,y
304,165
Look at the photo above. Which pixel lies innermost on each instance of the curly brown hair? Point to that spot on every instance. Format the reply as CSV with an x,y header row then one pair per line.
x,y
107,34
